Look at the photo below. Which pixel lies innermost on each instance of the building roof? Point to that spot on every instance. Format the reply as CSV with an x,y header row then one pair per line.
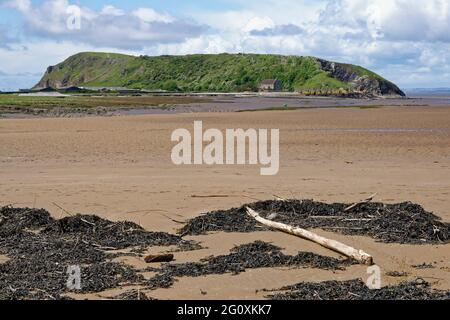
x,y
269,82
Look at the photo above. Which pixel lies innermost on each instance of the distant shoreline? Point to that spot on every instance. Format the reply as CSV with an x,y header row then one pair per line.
x,y
75,106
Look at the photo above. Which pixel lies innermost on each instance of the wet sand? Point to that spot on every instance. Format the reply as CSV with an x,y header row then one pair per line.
x,y
205,103
120,168
252,102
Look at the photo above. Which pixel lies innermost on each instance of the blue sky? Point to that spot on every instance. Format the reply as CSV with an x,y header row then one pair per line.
x,y
406,41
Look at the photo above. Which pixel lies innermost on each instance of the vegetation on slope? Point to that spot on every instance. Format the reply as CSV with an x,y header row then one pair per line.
x,y
199,73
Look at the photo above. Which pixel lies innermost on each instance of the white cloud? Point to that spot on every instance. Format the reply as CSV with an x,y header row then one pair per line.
x,y
112,11
22,5
110,27
404,20
150,15
258,24
279,30
279,11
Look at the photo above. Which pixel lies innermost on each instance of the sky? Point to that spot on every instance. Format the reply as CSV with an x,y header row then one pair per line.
x,y
406,41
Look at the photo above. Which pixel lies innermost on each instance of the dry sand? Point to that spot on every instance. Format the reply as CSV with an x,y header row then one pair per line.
x,y
120,168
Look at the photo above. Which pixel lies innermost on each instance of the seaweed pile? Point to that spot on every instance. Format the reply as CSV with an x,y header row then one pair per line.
x,y
132,295
112,235
40,250
390,223
357,290
248,256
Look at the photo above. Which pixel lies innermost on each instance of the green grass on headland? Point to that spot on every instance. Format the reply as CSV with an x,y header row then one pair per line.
x,y
197,73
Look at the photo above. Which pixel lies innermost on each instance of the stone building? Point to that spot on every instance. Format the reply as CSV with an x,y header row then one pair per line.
x,y
270,85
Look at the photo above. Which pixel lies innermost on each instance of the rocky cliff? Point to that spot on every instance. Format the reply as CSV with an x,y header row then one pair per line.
x,y
360,79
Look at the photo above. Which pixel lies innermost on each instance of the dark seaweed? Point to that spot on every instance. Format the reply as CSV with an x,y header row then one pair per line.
x,y
41,249
115,235
249,256
389,223
132,295
357,290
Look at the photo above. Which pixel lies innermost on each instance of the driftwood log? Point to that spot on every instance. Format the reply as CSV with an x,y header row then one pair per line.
x,y
336,246
159,258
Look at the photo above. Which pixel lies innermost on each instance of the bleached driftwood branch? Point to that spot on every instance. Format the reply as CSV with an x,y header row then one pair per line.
x,y
370,199
336,246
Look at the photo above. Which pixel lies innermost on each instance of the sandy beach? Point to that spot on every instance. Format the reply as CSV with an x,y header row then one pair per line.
x,y
120,168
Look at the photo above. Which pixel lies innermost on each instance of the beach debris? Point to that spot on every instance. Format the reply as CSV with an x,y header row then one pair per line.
x,y
40,250
234,220
361,202
405,223
418,289
159,258
272,216
14,220
108,234
248,256
279,198
424,266
133,295
358,255
396,274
